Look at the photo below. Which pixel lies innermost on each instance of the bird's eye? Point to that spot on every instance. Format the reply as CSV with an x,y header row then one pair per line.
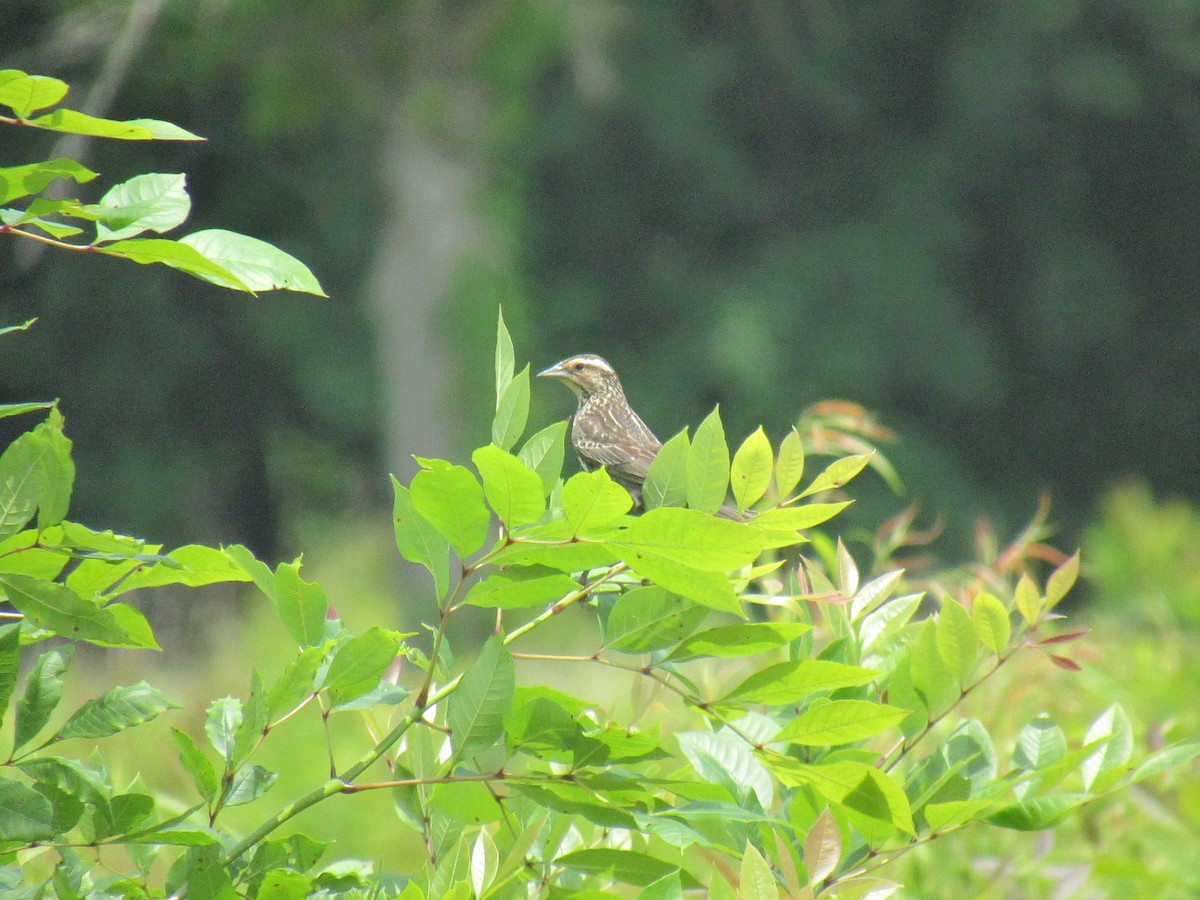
x,y
575,367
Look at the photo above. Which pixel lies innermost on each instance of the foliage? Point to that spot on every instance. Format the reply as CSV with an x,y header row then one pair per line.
x,y
799,731
152,202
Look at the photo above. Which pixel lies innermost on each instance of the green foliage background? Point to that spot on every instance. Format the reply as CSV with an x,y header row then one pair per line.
x,y
974,220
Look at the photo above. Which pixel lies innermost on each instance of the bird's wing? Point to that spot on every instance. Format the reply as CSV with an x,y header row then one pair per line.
x,y
625,448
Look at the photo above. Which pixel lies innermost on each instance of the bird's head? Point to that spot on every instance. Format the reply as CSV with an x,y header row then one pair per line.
x,y
586,375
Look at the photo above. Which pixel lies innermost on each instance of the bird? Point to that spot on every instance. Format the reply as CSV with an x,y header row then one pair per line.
x,y
605,431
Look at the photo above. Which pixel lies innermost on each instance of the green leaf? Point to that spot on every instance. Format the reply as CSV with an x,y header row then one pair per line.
x,y
255,265
729,641
284,884
1113,725
1041,743
649,618
204,875
544,453
27,94
957,642
755,879
666,480
791,682
248,784
888,620
484,696
22,181
25,815
71,121
297,682
931,678
861,888
789,467
750,473
418,541
726,759
627,866
708,465
192,565
1027,600
163,131
841,722
862,788
513,491
20,483
120,708
837,474
196,764
517,588
143,203
691,538
505,356
591,500
43,691
254,720
873,593
512,411
710,589
992,625
54,607
221,723
1164,760
1061,581
669,887
451,499
1037,814
175,254
10,661
301,605
56,470
360,662
19,409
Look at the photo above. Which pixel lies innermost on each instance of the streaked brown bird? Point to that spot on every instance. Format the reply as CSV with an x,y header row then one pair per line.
x,y
605,430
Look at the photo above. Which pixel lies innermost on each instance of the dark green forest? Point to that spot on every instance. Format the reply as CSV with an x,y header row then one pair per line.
x,y
972,219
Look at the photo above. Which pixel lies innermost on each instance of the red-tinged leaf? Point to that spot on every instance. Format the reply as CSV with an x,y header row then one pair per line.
x,y
1063,663
1063,638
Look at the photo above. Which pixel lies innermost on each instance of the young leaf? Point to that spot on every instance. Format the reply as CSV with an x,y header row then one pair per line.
x,y
450,498
708,465
513,491
888,620
120,708
992,625
666,479
841,722
512,411
43,691
750,472
789,467
591,500
822,848
874,593
1027,601
837,474
505,356
1061,581
255,265
544,453
957,642
485,860
484,696
847,570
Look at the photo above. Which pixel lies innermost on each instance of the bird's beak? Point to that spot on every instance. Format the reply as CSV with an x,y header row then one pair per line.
x,y
555,371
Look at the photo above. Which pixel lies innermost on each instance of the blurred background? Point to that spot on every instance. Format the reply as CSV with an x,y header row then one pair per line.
x,y
976,219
